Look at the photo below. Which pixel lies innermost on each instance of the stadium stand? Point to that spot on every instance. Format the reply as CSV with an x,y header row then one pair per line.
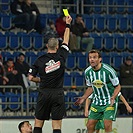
x,y
6,22
119,42
78,78
5,7
99,9
13,38
3,40
71,62
89,22
37,41
100,23
68,80
26,40
82,60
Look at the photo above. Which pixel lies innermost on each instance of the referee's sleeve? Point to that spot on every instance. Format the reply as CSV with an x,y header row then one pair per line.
x,y
34,69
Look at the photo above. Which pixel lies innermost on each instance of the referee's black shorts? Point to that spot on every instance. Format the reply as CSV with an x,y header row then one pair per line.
x,y
50,102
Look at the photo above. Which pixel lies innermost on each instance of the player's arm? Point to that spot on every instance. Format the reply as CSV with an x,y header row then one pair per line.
x,y
87,93
116,91
34,79
129,109
87,104
67,30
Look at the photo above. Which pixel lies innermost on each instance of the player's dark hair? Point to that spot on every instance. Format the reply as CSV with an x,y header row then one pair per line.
x,y
21,125
95,51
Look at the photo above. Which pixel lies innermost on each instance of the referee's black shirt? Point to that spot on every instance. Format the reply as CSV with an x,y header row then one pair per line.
x,y
51,67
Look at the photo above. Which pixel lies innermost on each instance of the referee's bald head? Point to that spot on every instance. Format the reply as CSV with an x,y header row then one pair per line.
x,y
53,43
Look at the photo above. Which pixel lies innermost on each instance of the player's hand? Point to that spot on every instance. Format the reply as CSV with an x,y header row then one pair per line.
x,y
79,101
129,109
86,113
112,100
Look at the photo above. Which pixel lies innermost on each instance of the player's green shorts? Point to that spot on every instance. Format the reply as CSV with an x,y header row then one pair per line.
x,y
102,112
99,125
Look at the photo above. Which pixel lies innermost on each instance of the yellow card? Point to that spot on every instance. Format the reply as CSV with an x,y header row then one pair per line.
x,y
65,12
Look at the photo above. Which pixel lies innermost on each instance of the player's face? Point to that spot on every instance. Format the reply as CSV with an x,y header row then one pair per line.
x,y
27,128
94,59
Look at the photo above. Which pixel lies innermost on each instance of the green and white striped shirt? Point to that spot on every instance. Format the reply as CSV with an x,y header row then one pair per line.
x,y
102,81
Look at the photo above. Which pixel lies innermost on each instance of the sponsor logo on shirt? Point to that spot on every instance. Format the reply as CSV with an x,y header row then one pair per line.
x,y
98,83
52,66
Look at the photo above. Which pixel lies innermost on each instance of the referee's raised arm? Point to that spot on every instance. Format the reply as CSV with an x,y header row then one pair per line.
x,y
67,30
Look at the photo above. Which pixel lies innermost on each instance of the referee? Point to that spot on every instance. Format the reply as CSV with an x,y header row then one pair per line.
x,y
50,67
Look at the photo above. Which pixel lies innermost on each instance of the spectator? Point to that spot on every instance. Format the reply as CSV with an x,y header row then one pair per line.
x,y
22,19
60,26
82,35
3,78
11,73
32,9
50,31
22,67
126,78
25,127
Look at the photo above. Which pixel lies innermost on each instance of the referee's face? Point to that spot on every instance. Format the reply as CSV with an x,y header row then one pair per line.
x,y
94,60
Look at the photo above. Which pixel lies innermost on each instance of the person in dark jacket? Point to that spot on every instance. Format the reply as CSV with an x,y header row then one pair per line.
x,y
3,79
126,78
21,19
22,68
11,73
50,31
32,9
79,29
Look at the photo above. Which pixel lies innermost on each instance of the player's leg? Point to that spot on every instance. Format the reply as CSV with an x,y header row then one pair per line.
x,y
108,126
58,110
91,125
41,107
108,118
95,114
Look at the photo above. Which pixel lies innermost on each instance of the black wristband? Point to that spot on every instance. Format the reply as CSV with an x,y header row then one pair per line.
x,y
68,26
